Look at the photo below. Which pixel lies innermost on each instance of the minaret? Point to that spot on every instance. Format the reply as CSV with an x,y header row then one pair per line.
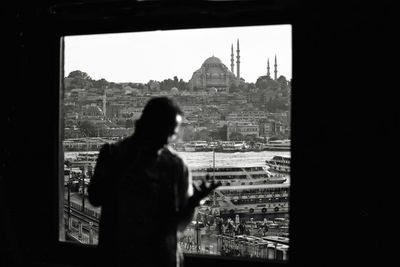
x,y
268,74
276,69
238,60
232,60
104,104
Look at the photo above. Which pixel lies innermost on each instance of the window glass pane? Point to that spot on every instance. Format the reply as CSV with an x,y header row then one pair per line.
x,y
234,86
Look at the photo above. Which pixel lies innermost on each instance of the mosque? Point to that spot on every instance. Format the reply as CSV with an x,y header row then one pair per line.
x,y
214,75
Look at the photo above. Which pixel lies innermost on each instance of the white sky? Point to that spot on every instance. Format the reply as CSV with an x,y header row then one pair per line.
x,y
159,55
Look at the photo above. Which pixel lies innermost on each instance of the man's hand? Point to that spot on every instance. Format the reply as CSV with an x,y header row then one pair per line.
x,y
206,186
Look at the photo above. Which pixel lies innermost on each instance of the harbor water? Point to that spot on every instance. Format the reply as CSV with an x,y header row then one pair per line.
x,y
222,159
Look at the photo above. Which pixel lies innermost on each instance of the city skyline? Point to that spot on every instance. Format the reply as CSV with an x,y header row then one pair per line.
x,y
158,55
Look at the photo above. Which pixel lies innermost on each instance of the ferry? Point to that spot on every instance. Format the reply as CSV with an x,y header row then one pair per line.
x,y
232,146
248,199
196,146
279,164
239,175
85,158
278,145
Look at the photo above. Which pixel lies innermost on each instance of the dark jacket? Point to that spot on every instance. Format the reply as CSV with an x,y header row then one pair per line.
x,y
140,189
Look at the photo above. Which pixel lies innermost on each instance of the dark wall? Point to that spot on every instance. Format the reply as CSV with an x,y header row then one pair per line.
x,y
343,113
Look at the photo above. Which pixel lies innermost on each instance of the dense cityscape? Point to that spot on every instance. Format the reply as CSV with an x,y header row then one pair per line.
x,y
219,107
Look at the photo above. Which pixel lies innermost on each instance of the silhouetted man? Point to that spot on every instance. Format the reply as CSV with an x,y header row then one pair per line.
x,y
145,191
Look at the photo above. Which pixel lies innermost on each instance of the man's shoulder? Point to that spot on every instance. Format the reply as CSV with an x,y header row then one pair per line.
x,y
169,153
107,149
114,148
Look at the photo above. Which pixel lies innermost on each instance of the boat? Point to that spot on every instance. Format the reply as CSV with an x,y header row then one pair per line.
x,y
278,145
279,164
196,146
189,148
239,175
231,146
248,199
84,159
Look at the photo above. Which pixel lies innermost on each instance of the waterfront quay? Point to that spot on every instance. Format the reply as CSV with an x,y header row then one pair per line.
x,y
206,234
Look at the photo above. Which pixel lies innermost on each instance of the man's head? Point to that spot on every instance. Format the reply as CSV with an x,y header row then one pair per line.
x,y
160,119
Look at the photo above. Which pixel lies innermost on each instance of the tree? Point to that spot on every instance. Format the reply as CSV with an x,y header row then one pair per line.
x,y
283,82
115,85
167,84
252,86
79,74
79,79
183,86
250,138
219,134
203,135
100,84
80,83
233,88
235,136
262,82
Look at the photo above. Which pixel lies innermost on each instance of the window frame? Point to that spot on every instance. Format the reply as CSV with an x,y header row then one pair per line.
x,y
68,24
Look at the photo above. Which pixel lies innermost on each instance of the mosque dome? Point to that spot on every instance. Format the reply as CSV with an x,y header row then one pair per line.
x,y
212,74
212,60
174,91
